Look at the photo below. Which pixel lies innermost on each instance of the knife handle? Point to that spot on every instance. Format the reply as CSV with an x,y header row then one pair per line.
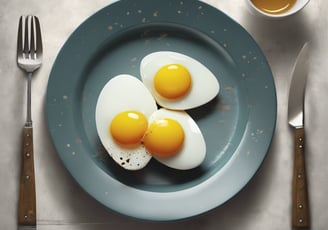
x,y
27,201
300,202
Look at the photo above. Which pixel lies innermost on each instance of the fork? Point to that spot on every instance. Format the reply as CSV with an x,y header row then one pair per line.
x,y
29,58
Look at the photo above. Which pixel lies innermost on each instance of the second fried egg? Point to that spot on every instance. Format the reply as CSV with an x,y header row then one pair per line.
x,y
178,81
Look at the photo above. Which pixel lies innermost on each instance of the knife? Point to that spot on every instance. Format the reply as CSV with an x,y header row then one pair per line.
x,y
300,202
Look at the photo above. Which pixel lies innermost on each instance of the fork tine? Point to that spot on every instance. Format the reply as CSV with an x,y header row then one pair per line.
x,y
26,37
38,37
32,40
20,38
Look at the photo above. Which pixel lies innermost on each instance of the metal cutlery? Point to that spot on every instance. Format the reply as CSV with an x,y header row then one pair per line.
x,y
300,202
29,58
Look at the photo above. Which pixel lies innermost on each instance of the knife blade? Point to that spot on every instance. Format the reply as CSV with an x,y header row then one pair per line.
x,y
300,201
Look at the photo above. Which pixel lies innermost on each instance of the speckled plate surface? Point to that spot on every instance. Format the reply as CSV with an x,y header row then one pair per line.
x,y
238,124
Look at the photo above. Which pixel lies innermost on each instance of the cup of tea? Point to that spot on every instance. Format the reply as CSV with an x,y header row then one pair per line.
x,y
276,8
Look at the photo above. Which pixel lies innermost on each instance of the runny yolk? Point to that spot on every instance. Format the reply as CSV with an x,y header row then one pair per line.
x,y
172,81
164,137
128,128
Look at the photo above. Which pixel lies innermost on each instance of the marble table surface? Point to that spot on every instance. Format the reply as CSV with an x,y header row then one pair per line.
x,y
265,203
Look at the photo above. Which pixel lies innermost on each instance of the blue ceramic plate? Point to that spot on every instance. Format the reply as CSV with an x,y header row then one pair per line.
x,y
238,124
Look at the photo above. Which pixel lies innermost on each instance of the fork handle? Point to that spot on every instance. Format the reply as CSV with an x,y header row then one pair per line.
x,y
300,202
27,201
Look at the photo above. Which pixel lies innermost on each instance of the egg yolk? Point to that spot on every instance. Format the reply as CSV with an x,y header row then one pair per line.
x,y
128,128
172,81
164,137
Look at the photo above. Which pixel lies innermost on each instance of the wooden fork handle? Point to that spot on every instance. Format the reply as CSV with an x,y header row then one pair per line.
x,y
27,201
300,202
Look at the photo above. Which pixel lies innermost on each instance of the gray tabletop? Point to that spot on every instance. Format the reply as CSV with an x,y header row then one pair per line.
x,y
264,204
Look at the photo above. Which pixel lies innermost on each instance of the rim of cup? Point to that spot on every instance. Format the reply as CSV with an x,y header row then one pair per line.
x,y
299,5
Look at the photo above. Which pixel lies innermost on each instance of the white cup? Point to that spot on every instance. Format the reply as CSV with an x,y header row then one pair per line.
x,y
299,4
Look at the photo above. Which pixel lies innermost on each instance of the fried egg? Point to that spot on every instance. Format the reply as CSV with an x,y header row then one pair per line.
x,y
122,110
178,81
175,140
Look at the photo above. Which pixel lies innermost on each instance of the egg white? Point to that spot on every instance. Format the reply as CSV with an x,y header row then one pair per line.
x,y
193,151
123,92
205,85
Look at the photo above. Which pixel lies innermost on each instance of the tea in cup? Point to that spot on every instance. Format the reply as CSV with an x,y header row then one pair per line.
x,y
276,8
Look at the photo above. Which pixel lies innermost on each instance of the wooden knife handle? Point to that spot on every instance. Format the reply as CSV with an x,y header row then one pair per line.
x,y
27,201
300,202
